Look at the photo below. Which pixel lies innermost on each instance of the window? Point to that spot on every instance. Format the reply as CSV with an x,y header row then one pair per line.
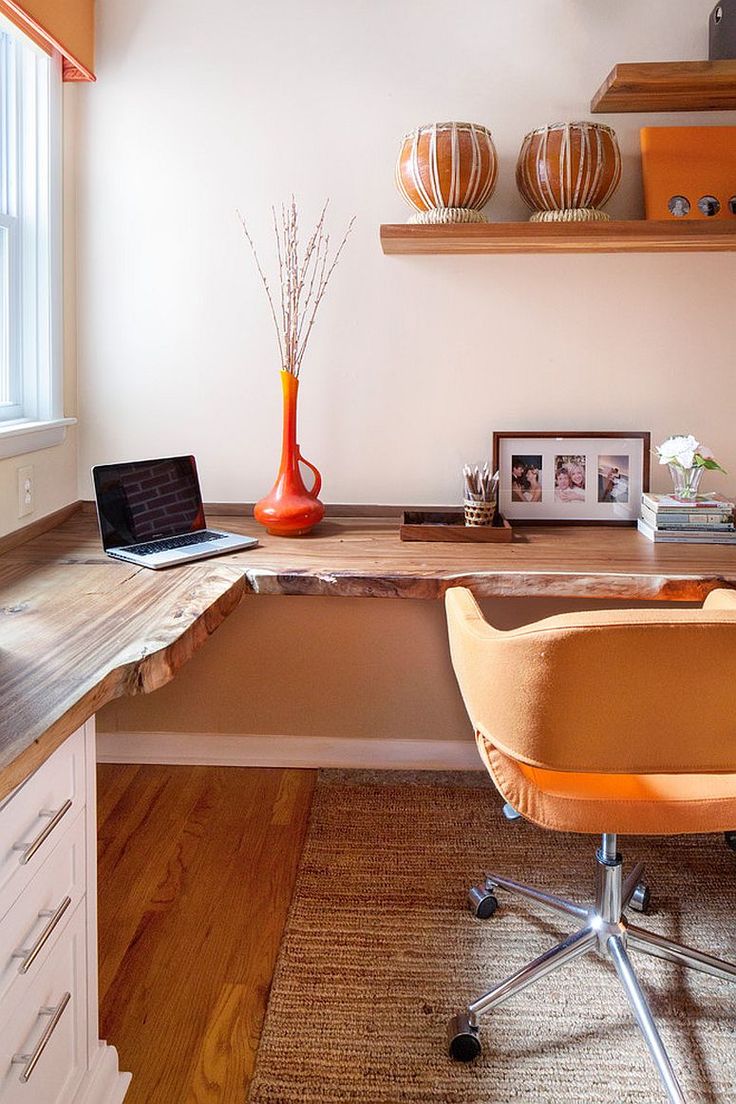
x,y
30,244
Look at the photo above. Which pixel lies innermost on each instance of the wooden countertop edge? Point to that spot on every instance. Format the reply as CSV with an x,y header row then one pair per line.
x,y
139,675
571,585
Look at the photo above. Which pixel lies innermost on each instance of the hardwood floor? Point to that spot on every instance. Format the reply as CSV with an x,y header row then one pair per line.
x,y
196,872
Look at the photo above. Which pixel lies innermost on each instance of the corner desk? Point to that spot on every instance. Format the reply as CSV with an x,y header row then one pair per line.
x,y
78,629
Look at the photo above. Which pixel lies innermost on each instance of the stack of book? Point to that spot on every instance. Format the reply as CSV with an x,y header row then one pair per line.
x,y
670,520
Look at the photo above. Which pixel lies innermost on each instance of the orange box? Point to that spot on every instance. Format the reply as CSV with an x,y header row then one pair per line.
x,y
689,172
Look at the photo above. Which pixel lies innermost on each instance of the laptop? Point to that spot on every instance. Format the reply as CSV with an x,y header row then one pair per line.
x,y
151,513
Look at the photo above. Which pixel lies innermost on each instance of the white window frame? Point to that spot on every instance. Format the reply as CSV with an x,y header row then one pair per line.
x,y
31,226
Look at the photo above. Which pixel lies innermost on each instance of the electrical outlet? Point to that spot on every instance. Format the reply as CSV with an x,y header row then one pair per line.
x,y
25,491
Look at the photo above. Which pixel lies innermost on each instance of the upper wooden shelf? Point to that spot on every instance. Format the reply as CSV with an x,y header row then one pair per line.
x,y
642,236
668,86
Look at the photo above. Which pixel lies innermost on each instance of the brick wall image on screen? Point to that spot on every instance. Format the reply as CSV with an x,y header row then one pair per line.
x,y
161,499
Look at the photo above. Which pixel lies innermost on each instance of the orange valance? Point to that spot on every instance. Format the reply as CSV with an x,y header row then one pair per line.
x,y
65,25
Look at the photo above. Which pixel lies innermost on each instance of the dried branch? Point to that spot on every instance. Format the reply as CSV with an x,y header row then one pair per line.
x,y
265,284
322,286
303,279
280,259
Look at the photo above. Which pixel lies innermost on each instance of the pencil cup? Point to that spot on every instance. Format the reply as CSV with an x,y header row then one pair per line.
x,y
479,513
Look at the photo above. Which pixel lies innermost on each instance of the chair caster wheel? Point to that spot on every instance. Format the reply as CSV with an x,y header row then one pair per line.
x,y
482,902
640,898
730,838
463,1043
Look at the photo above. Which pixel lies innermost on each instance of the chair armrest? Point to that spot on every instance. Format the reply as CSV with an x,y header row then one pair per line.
x,y
464,612
721,599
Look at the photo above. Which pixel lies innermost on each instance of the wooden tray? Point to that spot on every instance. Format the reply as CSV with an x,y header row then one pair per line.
x,y
449,525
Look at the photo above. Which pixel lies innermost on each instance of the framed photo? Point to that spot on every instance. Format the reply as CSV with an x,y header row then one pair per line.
x,y
571,478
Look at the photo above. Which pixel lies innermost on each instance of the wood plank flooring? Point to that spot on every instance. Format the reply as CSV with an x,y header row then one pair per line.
x,y
196,872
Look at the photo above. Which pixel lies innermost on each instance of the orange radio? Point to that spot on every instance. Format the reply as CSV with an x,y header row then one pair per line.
x,y
689,172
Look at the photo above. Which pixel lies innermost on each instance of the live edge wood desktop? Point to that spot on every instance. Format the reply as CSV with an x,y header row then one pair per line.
x,y
78,629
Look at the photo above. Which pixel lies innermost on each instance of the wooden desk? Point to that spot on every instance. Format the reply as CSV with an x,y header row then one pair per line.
x,y
78,629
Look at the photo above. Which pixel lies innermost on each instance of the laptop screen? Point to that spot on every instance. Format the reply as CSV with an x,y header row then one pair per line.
x,y
147,500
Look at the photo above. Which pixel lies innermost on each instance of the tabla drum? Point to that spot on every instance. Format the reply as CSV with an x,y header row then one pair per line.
x,y
566,172
447,172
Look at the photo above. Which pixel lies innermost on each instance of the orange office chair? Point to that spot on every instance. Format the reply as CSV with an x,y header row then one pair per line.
x,y
657,756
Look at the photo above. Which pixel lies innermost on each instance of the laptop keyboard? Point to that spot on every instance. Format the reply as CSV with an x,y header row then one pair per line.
x,y
175,542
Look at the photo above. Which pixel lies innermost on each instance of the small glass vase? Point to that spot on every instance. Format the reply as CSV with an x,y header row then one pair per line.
x,y
686,481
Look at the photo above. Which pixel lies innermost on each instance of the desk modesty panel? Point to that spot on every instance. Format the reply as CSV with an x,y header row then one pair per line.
x,y
78,629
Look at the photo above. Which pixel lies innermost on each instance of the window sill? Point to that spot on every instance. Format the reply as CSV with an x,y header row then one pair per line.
x,y
19,437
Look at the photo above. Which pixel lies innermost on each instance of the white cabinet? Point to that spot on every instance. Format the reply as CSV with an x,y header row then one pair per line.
x,y
37,813
43,1039
49,1047
30,927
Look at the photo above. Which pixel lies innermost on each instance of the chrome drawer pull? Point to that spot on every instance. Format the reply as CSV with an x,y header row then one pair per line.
x,y
29,956
30,849
30,1061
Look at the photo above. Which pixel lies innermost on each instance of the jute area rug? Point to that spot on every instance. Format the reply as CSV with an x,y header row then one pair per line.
x,y
380,950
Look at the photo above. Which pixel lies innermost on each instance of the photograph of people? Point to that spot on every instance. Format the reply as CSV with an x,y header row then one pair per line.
x,y
569,479
526,478
613,479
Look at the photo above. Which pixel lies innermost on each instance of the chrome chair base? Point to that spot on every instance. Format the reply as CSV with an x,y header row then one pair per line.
x,y
603,928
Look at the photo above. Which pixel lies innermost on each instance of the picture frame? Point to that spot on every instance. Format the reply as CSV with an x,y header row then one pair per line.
x,y
571,478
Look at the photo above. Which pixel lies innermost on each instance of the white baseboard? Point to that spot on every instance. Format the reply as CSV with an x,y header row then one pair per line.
x,y
225,750
103,1083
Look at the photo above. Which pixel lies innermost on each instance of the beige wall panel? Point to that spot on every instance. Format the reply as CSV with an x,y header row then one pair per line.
x,y
328,667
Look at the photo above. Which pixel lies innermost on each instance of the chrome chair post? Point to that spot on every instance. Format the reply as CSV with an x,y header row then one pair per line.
x,y
608,847
609,882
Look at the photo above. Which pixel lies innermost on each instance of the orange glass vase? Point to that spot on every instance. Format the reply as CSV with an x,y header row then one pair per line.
x,y
289,509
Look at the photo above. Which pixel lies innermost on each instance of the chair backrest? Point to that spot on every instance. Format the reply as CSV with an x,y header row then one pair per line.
x,y
620,691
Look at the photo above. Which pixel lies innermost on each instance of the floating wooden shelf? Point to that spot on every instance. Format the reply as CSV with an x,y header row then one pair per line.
x,y
642,236
668,86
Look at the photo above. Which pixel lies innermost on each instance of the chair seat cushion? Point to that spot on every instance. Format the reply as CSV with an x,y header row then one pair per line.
x,y
630,804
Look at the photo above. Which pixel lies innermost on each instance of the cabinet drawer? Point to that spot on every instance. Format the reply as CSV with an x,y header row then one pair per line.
x,y
35,921
47,1030
36,814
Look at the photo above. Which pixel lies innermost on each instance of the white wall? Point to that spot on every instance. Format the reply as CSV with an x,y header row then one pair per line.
x,y
414,360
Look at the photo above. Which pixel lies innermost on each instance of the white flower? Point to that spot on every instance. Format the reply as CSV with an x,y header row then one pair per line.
x,y
679,451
